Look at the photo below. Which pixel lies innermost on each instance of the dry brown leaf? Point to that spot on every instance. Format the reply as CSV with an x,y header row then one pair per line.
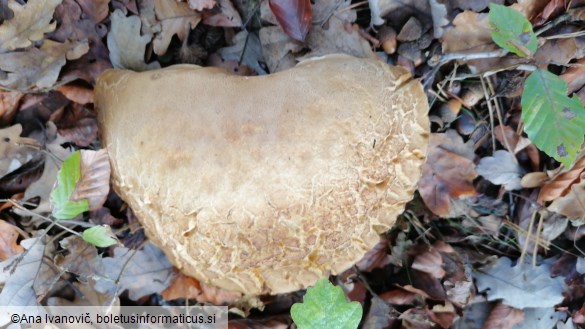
x,y
29,23
530,8
572,204
81,258
278,48
77,94
560,183
176,18
503,317
182,286
337,35
141,272
377,257
379,315
96,10
399,297
43,187
471,32
341,36
76,124
223,15
127,47
501,169
574,76
443,315
15,151
38,69
73,26
448,172
94,183
200,5
439,15
9,101
430,262
561,51
8,237
475,5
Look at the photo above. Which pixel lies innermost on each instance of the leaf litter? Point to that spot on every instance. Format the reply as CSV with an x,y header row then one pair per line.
x,y
488,196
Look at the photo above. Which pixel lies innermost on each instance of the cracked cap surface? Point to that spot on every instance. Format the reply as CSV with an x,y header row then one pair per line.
x,y
265,184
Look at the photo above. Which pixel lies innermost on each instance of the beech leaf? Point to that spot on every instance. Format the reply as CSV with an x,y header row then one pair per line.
x,y
294,16
554,122
69,174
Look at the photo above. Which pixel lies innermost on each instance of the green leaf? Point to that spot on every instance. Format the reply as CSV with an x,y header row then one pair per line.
x,y
100,236
325,306
554,122
69,174
512,31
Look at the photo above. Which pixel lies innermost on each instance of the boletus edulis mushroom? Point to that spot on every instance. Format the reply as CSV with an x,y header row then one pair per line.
x,y
265,184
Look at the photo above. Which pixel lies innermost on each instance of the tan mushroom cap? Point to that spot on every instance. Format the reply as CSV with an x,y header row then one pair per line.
x,y
265,184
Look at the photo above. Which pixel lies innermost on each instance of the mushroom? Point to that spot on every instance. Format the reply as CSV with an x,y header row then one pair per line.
x,y
265,184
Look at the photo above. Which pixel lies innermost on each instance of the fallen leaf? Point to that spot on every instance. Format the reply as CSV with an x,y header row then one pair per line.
x,y
430,262
29,23
340,36
9,101
501,169
574,76
184,287
176,18
398,297
15,151
293,16
8,241
18,287
36,68
503,317
79,258
448,172
278,48
127,46
379,315
572,204
439,15
476,5
222,15
544,317
73,26
560,183
520,286
141,272
246,50
76,93
76,124
96,10
443,315
377,257
42,187
200,5
94,184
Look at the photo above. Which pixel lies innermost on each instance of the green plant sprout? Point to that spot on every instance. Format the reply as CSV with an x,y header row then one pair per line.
x,y
326,306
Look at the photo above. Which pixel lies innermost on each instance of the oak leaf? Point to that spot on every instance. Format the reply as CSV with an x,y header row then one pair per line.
x,y
30,23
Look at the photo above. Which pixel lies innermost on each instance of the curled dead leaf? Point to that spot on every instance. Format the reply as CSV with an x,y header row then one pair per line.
x,y
94,184
448,173
8,241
